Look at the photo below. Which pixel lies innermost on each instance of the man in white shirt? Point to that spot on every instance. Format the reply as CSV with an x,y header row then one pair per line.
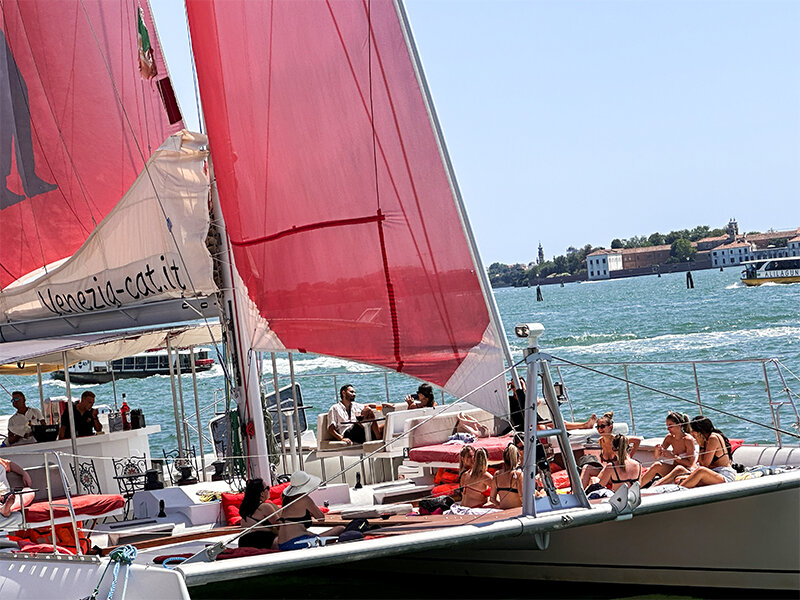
x,y
19,425
345,418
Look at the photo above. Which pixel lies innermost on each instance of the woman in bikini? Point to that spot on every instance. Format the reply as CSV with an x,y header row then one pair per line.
x,y
506,487
681,453
714,461
256,507
623,470
299,512
476,483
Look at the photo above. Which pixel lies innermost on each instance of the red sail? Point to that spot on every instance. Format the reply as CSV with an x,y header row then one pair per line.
x,y
333,184
80,113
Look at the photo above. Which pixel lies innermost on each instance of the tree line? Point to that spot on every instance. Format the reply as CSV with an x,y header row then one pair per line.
x,y
574,261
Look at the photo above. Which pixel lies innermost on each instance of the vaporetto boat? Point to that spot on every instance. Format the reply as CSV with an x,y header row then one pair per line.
x,y
144,364
771,270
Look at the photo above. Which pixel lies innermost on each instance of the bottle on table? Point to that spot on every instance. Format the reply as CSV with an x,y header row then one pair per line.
x,y
126,414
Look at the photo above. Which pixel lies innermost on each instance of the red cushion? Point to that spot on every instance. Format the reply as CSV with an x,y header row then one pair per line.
x,y
443,490
735,444
45,548
88,505
448,453
276,493
445,476
230,507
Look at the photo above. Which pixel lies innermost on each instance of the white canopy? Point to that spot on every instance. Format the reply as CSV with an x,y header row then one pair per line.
x,y
103,346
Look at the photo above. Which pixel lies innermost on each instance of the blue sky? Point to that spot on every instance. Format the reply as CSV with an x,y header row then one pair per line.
x,y
574,122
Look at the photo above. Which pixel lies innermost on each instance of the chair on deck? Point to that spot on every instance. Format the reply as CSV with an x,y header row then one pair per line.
x,y
182,469
86,480
130,476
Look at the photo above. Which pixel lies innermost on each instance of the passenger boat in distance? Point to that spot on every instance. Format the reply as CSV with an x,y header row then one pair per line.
x,y
773,270
144,364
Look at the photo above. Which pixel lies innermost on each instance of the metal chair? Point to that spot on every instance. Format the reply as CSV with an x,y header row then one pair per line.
x,y
130,477
176,464
86,480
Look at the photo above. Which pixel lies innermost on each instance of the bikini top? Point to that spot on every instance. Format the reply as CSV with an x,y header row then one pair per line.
x,y
715,458
620,481
305,519
508,489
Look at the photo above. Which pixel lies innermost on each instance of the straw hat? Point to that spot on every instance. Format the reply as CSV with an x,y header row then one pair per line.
x,y
301,483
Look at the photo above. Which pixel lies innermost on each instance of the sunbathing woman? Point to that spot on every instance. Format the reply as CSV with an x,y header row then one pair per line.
x,y
476,483
254,508
681,454
714,459
298,513
623,470
506,487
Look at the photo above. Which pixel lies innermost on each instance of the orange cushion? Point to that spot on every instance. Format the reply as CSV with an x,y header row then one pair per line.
x,y
445,476
230,507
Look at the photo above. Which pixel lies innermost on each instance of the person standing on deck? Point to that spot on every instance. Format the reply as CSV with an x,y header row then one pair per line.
x,y
86,421
19,424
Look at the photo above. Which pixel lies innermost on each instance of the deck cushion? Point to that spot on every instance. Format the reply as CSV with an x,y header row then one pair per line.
x,y
448,453
86,506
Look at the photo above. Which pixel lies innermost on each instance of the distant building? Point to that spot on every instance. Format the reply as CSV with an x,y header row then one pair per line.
x,y
732,229
732,254
649,256
540,258
794,246
600,263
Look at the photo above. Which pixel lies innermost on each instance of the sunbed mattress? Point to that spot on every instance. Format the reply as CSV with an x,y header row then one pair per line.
x,y
448,453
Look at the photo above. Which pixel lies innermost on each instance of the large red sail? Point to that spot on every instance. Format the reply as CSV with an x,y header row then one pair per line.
x,y
84,101
333,184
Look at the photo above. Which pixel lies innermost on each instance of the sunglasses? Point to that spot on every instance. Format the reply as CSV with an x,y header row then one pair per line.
x,y
603,426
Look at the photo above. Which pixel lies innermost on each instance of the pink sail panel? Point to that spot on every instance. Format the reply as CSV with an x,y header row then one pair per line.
x,y
337,202
84,101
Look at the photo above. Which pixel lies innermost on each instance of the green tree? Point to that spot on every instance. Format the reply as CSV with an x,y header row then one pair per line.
x,y
656,239
616,243
681,250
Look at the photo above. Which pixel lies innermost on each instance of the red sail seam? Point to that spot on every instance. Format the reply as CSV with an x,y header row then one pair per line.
x,y
311,227
391,297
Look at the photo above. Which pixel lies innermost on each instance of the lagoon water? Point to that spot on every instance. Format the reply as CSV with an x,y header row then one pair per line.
x,y
629,320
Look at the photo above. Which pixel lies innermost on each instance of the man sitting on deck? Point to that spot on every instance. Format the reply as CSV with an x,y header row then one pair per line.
x,y
345,416
86,421
19,424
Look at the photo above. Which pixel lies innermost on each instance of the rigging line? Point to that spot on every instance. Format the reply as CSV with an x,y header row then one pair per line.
x,y
138,148
676,397
437,298
63,144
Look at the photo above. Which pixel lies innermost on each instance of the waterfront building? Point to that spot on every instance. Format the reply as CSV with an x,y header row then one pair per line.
x,y
733,253
600,263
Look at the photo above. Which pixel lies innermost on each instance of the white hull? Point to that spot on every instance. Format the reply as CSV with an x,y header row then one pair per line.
x,y
44,578
746,543
744,535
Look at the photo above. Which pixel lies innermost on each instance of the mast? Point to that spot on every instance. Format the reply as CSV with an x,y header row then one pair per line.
x,y
245,384
486,290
